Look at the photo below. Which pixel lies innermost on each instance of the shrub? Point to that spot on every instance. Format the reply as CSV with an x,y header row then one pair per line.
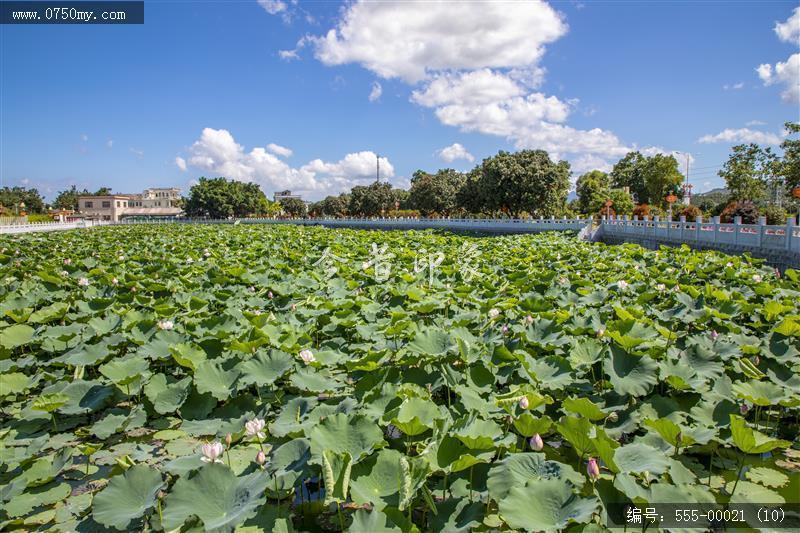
x,y
404,213
745,209
641,211
691,212
776,216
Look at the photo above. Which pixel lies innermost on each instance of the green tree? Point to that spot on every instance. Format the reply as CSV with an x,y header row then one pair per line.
x,y
790,165
293,206
661,177
435,193
622,202
12,197
526,181
374,199
630,172
222,198
587,186
749,172
332,206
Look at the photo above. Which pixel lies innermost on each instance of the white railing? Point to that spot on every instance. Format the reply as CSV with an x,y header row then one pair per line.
x,y
710,232
50,226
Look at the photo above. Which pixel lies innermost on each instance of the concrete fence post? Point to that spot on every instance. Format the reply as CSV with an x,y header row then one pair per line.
x,y
698,222
737,222
682,224
789,229
715,221
762,222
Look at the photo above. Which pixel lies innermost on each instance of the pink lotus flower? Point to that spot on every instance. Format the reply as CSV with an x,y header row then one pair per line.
x,y
212,451
593,469
165,325
714,335
83,282
536,443
269,295
494,313
529,320
307,356
114,281
744,409
261,458
524,403
757,278
255,428
67,261
622,284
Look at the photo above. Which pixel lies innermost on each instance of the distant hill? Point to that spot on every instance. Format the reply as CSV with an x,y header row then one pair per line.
x,y
709,199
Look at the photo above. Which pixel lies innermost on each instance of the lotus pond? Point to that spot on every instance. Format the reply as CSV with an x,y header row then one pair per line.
x,y
180,377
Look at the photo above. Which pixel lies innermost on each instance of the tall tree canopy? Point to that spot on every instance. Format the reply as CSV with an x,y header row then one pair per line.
x,y
588,186
374,199
649,179
790,167
435,193
11,197
222,198
293,206
332,206
749,171
526,181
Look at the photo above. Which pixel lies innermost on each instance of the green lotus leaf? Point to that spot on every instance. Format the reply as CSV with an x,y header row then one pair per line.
x,y
578,432
126,370
379,479
188,356
315,380
457,515
15,336
288,463
118,421
27,501
584,407
586,352
547,505
750,441
85,397
293,417
166,394
753,493
50,402
763,393
671,432
665,492
216,496
49,313
373,521
86,354
528,425
211,378
46,469
415,416
14,383
518,469
431,342
639,458
631,374
127,497
264,369
476,433
630,333
336,468
340,433
769,477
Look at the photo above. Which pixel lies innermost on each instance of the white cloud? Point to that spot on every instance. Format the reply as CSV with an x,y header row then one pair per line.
x,y
586,163
217,153
755,123
273,7
400,40
455,151
787,74
733,87
279,150
376,91
288,55
741,135
138,153
110,143
181,162
469,88
789,31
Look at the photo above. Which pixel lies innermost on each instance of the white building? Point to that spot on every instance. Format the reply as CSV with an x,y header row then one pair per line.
x,y
152,203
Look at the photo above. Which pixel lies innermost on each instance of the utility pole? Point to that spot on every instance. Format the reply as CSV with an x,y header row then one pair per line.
x,y
378,168
687,187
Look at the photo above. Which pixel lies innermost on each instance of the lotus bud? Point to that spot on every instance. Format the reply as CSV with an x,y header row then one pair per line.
x,y
529,320
114,281
269,295
593,469
294,307
161,494
612,417
536,443
622,284
601,332
505,328
494,313
261,458
67,261
228,440
757,278
524,403
133,289
744,409
714,335
777,273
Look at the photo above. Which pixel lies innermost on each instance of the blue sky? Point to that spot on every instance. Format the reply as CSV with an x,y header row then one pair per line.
x,y
279,92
